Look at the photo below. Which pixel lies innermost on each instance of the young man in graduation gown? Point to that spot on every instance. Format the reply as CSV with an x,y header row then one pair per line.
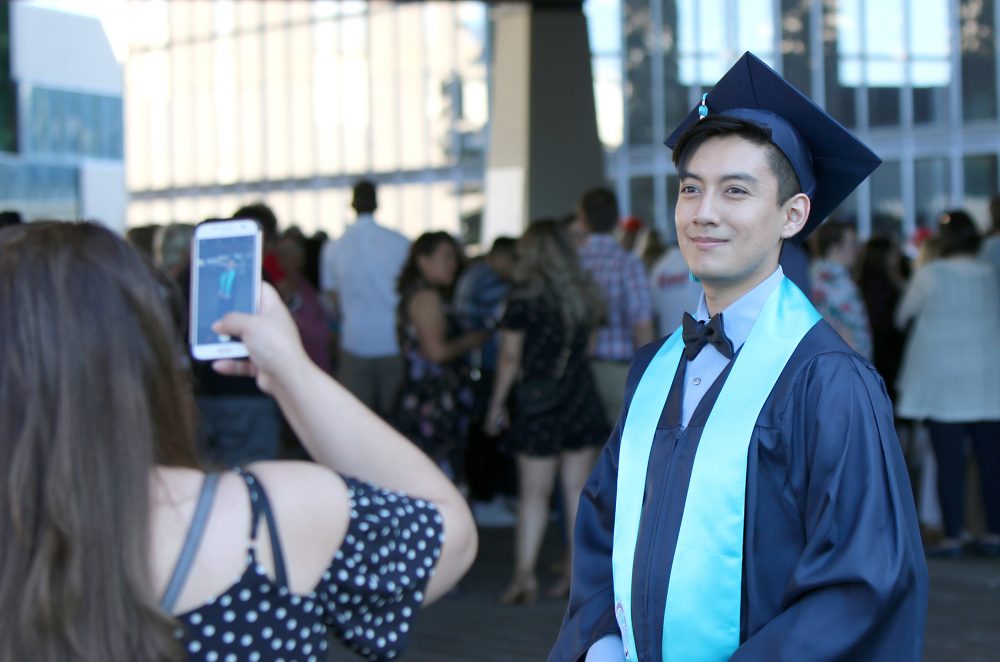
x,y
752,502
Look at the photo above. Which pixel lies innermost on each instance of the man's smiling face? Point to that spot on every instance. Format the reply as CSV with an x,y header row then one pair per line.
x,y
730,224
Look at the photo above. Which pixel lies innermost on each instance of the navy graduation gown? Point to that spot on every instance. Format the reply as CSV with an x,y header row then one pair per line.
x,y
833,566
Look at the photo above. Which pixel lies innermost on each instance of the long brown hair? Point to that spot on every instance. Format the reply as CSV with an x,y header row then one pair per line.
x,y
93,393
425,245
548,267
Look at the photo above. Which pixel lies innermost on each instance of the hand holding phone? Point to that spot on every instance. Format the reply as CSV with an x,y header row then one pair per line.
x,y
272,340
225,277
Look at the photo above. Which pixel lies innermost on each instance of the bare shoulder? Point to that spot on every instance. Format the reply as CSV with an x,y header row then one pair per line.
x,y
300,486
425,306
425,298
310,504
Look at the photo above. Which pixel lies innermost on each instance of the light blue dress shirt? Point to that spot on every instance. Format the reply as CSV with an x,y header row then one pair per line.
x,y
737,320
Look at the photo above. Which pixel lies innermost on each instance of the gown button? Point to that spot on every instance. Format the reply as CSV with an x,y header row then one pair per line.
x,y
696,381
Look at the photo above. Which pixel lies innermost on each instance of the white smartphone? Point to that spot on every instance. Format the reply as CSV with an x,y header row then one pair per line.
x,y
225,277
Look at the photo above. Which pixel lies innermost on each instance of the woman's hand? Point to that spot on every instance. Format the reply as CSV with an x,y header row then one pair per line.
x,y
497,419
271,339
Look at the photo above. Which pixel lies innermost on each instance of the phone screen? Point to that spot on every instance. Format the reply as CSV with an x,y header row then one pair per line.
x,y
227,275
226,282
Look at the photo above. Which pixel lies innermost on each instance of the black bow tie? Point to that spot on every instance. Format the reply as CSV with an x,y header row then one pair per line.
x,y
698,334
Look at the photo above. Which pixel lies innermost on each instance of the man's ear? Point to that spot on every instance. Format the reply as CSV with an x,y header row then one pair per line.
x,y
796,210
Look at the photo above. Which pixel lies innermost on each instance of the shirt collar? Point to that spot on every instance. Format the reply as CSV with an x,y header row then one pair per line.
x,y
365,219
741,314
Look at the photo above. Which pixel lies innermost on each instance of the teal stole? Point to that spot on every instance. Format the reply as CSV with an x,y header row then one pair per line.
x,y
702,617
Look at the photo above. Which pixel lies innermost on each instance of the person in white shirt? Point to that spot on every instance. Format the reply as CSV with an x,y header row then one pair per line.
x,y
950,375
358,276
674,292
990,251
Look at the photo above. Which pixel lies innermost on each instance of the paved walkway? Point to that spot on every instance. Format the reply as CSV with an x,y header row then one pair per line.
x,y
963,623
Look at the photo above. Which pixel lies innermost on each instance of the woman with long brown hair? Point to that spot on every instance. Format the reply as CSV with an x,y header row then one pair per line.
x,y
434,403
114,545
556,423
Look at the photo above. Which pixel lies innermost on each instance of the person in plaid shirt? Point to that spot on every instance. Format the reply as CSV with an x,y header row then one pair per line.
x,y
623,279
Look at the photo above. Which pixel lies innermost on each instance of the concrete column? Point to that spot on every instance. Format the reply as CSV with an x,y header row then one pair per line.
x,y
544,147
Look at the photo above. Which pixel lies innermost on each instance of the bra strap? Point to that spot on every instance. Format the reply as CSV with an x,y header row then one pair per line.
x,y
262,507
194,535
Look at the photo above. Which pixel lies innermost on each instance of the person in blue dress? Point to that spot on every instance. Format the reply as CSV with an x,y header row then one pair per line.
x,y
752,502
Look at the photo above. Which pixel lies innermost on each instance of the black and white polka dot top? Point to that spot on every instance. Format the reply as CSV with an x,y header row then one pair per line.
x,y
367,598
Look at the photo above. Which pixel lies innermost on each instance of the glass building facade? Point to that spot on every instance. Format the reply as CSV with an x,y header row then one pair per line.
x,y
291,101
916,79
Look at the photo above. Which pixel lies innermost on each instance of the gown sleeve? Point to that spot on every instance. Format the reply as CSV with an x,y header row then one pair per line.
x,y
590,613
859,589
375,585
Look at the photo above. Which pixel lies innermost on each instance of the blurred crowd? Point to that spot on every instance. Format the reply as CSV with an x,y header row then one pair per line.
x,y
508,368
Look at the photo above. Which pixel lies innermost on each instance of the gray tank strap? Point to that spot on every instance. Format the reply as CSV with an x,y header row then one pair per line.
x,y
194,536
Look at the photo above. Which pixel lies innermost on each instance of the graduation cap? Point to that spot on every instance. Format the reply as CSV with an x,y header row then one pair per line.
x,y
828,160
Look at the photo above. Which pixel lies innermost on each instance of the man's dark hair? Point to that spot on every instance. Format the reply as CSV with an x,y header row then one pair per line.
x,y
600,210
364,200
721,126
504,246
10,217
261,213
831,234
957,233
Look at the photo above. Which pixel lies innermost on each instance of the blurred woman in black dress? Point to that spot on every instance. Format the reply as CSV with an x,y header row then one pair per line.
x,y
556,422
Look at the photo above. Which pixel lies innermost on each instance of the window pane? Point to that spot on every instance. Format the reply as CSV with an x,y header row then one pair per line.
x,y
276,121
413,109
887,200
356,122
328,63
675,92
608,100
206,125
931,184
181,154
304,212
796,41
980,185
930,63
638,60
930,105
385,120
444,207
302,127
251,79
227,103
470,210
642,202
441,82
115,127
842,53
979,67
884,106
